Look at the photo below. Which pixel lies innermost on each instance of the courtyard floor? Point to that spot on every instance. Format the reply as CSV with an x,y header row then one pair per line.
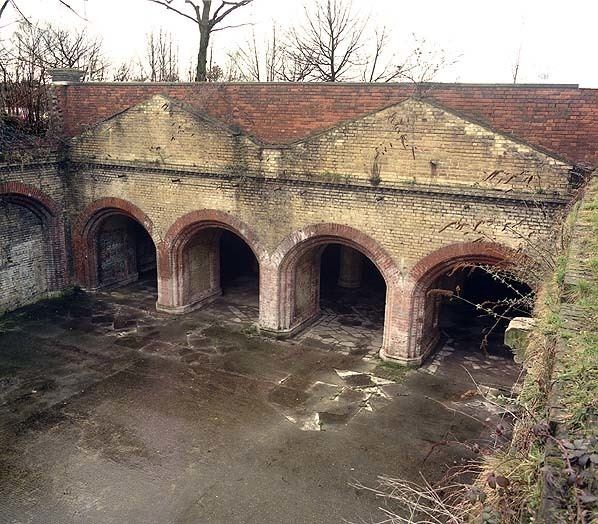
x,y
111,412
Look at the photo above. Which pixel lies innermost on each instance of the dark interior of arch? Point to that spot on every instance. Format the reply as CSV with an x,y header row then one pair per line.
x,y
239,269
125,253
351,288
483,302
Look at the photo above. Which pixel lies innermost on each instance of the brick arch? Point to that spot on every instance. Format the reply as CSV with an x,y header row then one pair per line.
x,y
300,241
188,224
30,197
51,217
279,316
172,273
85,249
425,273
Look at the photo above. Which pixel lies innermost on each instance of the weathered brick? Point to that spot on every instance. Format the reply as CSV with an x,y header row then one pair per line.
x,y
417,184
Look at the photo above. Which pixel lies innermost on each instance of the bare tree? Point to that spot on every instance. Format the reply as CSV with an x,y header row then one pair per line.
x,y
255,62
214,73
327,45
73,49
420,64
207,23
25,59
127,71
336,43
23,100
161,58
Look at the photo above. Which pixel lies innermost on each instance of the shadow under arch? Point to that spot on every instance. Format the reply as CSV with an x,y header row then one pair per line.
x,y
422,334
175,294
284,319
85,231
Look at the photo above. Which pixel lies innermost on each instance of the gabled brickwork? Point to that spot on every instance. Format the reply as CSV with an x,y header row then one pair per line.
x,y
559,119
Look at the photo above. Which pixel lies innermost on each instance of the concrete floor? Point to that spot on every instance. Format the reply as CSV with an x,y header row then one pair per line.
x,y
113,413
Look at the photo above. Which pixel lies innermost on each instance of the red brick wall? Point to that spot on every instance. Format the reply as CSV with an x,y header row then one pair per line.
x,y
561,119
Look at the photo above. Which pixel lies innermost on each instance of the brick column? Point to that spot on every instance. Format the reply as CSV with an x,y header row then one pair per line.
x,y
61,80
289,298
190,278
351,268
270,321
395,344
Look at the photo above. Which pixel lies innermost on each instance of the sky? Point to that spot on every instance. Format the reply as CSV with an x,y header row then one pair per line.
x,y
555,40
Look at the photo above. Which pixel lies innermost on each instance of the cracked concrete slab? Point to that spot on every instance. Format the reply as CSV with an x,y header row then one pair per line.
x,y
196,419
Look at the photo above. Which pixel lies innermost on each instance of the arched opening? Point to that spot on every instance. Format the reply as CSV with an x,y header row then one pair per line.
x,y
125,252
209,255
197,247
307,275
32,257
352,298
113,245
471,307
239,272
463,298
23,256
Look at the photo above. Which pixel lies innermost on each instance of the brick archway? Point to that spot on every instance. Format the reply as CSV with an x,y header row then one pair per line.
x,y
421,340
50,214
85,230
278,285
174,274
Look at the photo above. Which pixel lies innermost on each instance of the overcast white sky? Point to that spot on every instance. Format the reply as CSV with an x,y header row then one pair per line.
x,y
557,39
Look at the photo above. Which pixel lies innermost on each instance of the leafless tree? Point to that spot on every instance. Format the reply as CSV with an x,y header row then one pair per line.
x,y
421,63
327,45
73,49
127,71
26,58
22,95
257,63
214,73
161,58
207,22
335,42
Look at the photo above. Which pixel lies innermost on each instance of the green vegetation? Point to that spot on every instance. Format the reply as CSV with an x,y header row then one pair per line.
x,y
577,374
562,371
390,371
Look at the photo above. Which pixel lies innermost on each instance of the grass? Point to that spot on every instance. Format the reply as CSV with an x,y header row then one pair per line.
x,y
577,374
562,360
390,371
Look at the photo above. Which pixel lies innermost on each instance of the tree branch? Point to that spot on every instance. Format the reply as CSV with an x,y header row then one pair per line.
x,y
216,19
231,26
170,8
72,10
4,6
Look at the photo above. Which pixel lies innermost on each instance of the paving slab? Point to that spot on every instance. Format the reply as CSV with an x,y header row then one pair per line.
x,y
191,420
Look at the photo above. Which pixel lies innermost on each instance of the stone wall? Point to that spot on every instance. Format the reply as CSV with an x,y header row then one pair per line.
x,y
117,252
409,224
414,142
